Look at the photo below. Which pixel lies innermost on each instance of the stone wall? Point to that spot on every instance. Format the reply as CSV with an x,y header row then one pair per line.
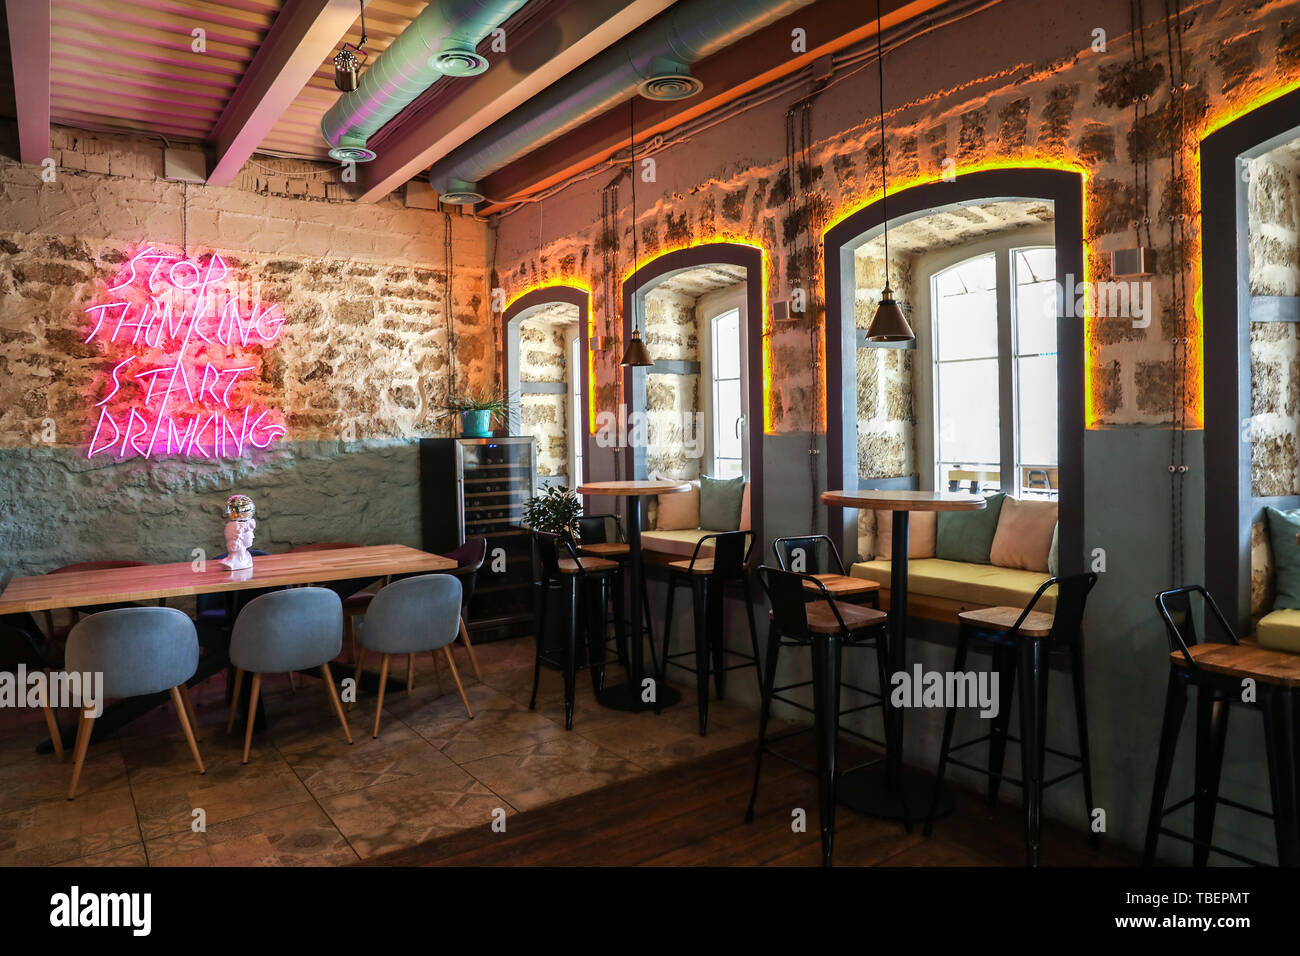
x,y
1044,97
672,332
545,415
361,370
1274,243
886,415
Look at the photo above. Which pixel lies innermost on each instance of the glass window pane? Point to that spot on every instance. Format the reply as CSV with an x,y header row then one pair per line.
x,y
1037,375
968,412
726,345
727,414
727,468
1036,318
965,309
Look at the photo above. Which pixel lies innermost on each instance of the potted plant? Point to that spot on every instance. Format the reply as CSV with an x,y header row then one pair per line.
x,y
476,408
555,510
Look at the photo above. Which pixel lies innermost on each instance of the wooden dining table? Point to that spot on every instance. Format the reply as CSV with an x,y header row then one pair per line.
x,y
629,696
893,794
151,582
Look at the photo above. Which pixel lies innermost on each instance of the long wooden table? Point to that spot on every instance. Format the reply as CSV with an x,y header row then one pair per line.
x,y
44,592
113,585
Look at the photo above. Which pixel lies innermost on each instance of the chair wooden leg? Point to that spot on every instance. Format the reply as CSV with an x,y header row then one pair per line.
x,y
410,673
437,672
51,724
383,685
180,700
350,632
189,709
293,682
451,662
356,676
234,700
79,752
469,649
334,699
254,691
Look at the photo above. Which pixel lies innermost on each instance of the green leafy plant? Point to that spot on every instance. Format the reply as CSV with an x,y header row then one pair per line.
x,y
480,400
555,510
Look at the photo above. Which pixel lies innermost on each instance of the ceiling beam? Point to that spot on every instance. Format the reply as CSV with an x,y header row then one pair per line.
x,y
301,38
533,62
733,72
29,51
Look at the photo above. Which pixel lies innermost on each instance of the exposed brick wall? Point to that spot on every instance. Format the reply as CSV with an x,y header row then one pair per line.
x,y
1042,95
361,370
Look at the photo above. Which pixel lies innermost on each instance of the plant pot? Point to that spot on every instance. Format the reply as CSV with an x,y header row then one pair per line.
x,y
476,424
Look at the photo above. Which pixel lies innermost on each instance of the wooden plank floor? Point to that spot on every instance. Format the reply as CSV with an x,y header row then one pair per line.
x,y
692,815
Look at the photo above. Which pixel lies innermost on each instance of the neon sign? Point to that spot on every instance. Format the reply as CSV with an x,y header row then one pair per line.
x,y
186,351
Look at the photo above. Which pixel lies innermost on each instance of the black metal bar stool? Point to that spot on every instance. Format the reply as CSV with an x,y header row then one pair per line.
x,y
802,553
708,579
602,536
1021,639
572,580
1219,671
826,627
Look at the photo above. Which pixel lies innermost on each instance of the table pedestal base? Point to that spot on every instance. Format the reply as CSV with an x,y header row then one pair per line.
x,y
865,791
626,698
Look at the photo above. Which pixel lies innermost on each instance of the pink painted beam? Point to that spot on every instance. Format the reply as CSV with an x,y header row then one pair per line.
x,y
29,50
302,37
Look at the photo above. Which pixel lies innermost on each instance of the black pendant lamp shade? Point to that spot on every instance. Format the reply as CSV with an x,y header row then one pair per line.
x,y
888,324
636,355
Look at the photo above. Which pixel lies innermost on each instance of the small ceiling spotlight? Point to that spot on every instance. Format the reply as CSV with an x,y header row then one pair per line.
x,y
347,63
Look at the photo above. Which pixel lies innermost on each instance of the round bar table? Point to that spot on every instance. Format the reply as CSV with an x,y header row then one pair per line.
x,y
891,794
628,696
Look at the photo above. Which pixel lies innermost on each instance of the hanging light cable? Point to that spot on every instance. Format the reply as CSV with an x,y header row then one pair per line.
x,y
637,355
888,324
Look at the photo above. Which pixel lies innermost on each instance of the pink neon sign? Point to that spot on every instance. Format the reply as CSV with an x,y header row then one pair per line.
x,y
186,353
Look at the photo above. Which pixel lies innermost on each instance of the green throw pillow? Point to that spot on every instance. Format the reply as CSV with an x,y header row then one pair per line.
x,y
1054,553
720,501
1282,529
968,535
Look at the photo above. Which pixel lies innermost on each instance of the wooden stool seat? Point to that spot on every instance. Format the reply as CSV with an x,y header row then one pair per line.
x,y
1035,624
821,619
842,585
1244,660
612,550
702,566
570,566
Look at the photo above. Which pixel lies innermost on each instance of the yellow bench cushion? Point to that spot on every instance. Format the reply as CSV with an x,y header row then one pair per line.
x,y
984,584
681,543
1279,631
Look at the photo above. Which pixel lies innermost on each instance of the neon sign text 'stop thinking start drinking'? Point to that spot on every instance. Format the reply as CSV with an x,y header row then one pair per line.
x,y
183,350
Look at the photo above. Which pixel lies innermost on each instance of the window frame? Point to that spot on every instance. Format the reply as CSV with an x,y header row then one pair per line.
x,y
708,308
575,397
925,267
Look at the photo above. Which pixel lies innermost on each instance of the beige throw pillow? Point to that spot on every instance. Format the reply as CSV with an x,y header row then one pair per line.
x,y
679,511
1024,535
920,534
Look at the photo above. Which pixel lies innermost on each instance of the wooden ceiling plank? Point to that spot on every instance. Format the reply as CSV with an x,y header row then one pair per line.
x,y
305,33
29,51
115,33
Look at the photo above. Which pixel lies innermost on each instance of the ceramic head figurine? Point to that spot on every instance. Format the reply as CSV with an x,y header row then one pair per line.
x,y
240,525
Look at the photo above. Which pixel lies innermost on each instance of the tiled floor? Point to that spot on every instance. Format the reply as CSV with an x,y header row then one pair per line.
x,y
307,797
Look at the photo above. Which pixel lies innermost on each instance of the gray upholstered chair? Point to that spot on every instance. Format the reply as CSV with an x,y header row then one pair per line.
x,y
140,651
286,631
408,617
